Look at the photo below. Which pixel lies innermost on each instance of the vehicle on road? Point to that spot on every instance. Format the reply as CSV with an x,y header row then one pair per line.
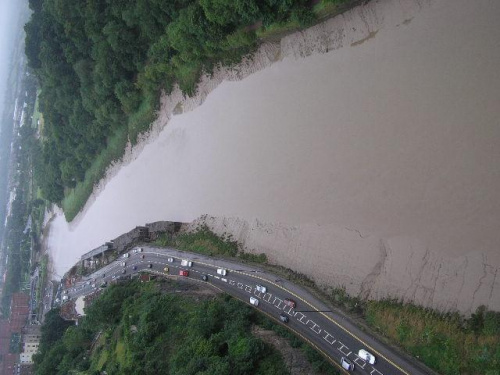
x,y
93,285
254,301
183,273
126,255
204,277
135,267
165,269
170,260
221,271
290,302
186,263
104,284
65,298
142,256
103,275
284,318
367,356
124,264
150,265
138,250
347,364
261,288
124,270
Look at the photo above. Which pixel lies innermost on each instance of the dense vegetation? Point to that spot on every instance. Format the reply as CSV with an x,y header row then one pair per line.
x,y
101,65
135,328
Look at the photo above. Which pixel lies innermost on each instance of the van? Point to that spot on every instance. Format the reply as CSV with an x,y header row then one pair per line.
x,y
221,271
254,301
367,356
186,263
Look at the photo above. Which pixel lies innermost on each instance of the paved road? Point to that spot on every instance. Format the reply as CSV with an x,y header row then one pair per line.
x,y
330,333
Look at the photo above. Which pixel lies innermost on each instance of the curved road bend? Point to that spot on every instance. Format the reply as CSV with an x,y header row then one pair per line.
x,y
330,333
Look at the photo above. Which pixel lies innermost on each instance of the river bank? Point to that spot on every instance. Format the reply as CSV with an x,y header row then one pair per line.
x,y
368,144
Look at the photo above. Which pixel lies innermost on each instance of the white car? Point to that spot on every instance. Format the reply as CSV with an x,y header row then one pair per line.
x,y
367,356
170,260
254,301
126,255
124,264
221,271
186,263
261,288
346,364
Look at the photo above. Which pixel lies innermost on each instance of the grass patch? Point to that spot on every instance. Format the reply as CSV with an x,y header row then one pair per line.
x,y
76,198
140,121
204,241
445,342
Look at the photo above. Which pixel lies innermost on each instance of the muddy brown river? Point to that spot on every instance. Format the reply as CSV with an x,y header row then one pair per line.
x,y
375,136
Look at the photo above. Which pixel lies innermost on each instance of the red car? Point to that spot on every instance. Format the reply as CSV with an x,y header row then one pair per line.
x,y
290,302
183,273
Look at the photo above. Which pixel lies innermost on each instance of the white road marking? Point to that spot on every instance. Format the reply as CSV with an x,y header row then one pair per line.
x,y
328,338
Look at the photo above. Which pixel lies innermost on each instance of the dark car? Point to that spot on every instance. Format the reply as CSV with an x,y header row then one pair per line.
x,y
290,302
124,270
135,267
284,318
150,265
204,277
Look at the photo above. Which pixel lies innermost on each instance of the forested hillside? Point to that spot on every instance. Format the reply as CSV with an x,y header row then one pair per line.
x,y
102,64
137,329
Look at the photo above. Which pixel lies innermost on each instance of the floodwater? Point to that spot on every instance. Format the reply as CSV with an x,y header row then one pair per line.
x,y
396,133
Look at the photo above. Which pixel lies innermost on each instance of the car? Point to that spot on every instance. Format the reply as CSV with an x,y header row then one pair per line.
x,y
261,288
103,275
290,302
65,298
183,273
135,267
221,271
142,256
186,263
284,318
124,264
138,250
113,277
346,364
104,284
165,269
204,277
367,356
126,255
124,270
93,285
150,265
170,260
254,301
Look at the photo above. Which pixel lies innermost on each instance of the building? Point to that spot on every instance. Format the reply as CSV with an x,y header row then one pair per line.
x,y
31,342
